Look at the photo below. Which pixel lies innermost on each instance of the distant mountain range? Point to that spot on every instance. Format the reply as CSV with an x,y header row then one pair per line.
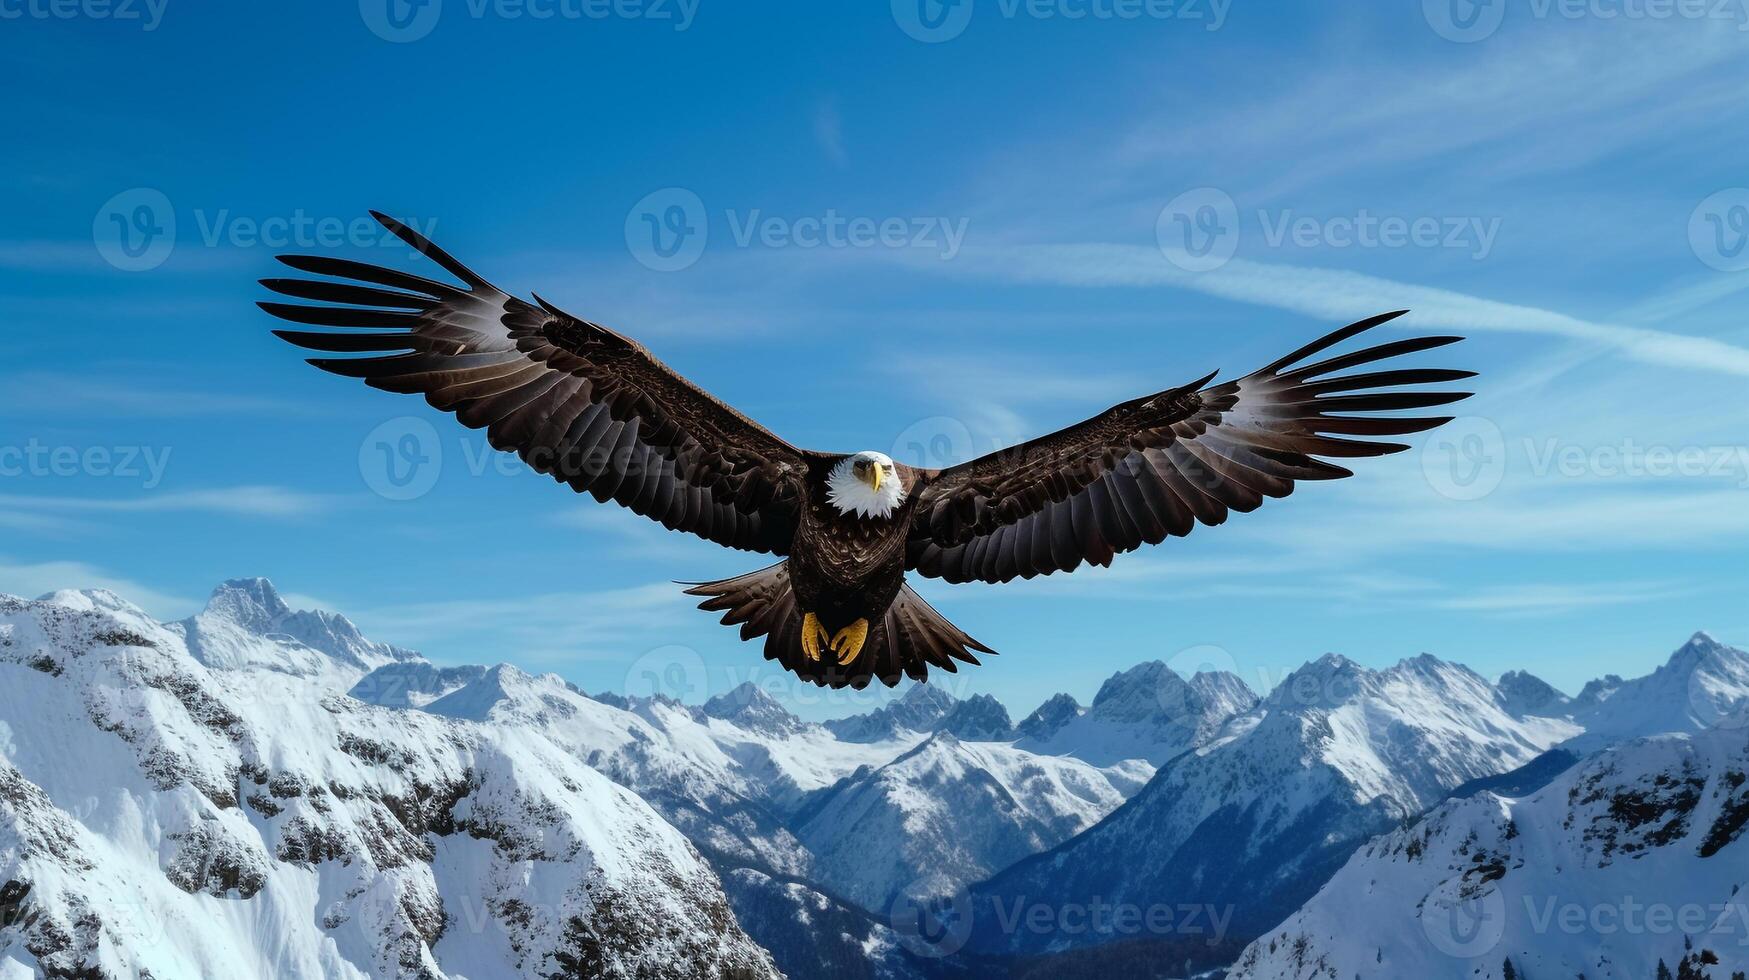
x,y
356,811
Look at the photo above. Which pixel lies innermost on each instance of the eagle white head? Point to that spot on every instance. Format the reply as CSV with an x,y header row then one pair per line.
x,y
866,484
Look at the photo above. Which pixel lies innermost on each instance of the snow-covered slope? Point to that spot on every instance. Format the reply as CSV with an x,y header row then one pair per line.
x,y
729,788
919,710
1702,682
1632,859
412,684
247,624
1258,817
811,934
947,813
202,799
1146,713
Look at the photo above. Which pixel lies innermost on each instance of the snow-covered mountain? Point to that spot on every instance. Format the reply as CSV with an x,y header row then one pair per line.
x,y
730,775
919,710
1268,807
1524,693
947,813
748,707
1633,859
978,795
243,613
287,797
1145,713
1702,682
229,811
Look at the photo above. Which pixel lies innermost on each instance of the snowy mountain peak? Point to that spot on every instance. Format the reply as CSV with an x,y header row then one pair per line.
x,y
504,691
246,624
1704,683
252,603
920,709
1223,691
1700,648
1524,693
749,707
1136,694
926,698
93,599
980,718
1049,718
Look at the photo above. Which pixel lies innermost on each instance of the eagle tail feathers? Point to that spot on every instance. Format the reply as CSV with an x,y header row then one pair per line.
x,y
909,639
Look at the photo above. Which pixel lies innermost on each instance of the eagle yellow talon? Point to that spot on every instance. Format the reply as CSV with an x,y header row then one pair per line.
x,y
812,634
848,643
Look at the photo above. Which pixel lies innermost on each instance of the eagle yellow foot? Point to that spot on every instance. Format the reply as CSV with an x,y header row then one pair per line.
x,y
812,635
848,643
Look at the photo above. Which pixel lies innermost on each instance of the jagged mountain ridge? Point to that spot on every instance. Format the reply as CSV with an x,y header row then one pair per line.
x,y
235,814
1654,825
1258,817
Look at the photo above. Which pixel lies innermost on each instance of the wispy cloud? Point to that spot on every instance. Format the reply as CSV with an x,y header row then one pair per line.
x,y
1545,599
1603,86
251,501
32,392
829,131
1335,294
622,532
548,628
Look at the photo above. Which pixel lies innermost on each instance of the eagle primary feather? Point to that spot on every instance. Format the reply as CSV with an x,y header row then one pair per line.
x,y
597,411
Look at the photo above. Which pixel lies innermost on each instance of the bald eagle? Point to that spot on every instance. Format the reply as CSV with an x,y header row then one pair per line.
x,y
596,410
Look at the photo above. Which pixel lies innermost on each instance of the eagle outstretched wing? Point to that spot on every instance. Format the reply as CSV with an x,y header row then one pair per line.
x,y
575,400
1157,465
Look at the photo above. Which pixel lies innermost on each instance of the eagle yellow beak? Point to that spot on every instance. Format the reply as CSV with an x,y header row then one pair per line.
x,y
876,474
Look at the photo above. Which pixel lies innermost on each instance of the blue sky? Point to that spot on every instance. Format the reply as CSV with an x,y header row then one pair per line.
x,y
935,233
